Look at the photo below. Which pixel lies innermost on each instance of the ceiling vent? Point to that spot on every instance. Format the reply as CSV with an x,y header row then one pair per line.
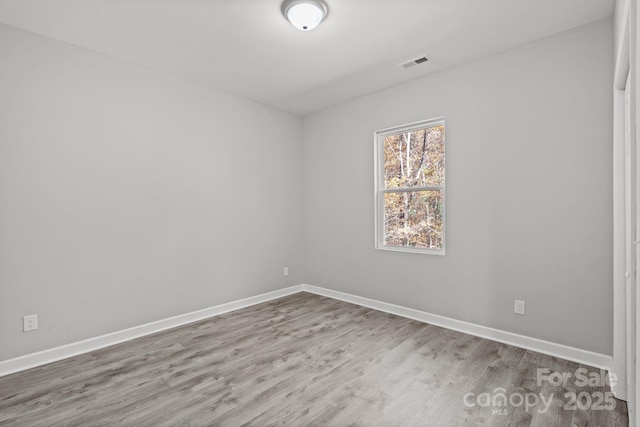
x,y
416,61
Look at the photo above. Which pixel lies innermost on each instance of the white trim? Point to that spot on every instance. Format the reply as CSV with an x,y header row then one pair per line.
x,y
621,313
410,127
585,357
73,349
545,347
411,189
619,247
379,189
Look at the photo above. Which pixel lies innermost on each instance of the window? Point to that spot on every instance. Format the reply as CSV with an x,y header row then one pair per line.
x,y
409,185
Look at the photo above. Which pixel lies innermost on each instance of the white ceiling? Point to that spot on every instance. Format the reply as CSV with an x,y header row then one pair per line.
x,y
248,48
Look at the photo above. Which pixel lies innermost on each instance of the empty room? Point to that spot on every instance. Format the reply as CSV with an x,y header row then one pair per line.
x,y
319,213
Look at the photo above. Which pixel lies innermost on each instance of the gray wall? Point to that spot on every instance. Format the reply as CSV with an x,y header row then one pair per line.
x,y
129,196
528,192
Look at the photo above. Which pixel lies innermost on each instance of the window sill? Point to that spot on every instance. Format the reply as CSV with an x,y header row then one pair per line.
x,y
410,249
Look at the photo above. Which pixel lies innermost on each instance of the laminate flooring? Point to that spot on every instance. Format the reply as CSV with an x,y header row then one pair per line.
x,y
301,360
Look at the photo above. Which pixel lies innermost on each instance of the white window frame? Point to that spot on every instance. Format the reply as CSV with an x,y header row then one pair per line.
x,y
379,189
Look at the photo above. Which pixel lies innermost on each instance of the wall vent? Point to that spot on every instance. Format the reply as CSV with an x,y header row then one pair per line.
x,y
416,61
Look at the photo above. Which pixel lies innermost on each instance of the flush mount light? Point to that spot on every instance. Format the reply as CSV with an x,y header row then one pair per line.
x,y
305,15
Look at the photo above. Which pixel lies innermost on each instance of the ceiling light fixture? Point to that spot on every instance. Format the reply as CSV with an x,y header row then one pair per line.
x,y
305,15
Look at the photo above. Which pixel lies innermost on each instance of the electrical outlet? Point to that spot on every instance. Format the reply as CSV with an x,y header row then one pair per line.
x,y
518,307
30,323
285,271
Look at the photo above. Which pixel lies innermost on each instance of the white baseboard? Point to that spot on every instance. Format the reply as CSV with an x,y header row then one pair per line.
x,y
58,353
585,357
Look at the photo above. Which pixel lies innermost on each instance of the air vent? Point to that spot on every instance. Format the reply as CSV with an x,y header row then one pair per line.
x,y
416,61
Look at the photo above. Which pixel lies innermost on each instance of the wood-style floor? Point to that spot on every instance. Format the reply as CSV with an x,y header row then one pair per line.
x,y
302,360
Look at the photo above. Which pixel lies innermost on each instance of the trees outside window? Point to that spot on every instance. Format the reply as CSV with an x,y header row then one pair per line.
x,y
410,187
